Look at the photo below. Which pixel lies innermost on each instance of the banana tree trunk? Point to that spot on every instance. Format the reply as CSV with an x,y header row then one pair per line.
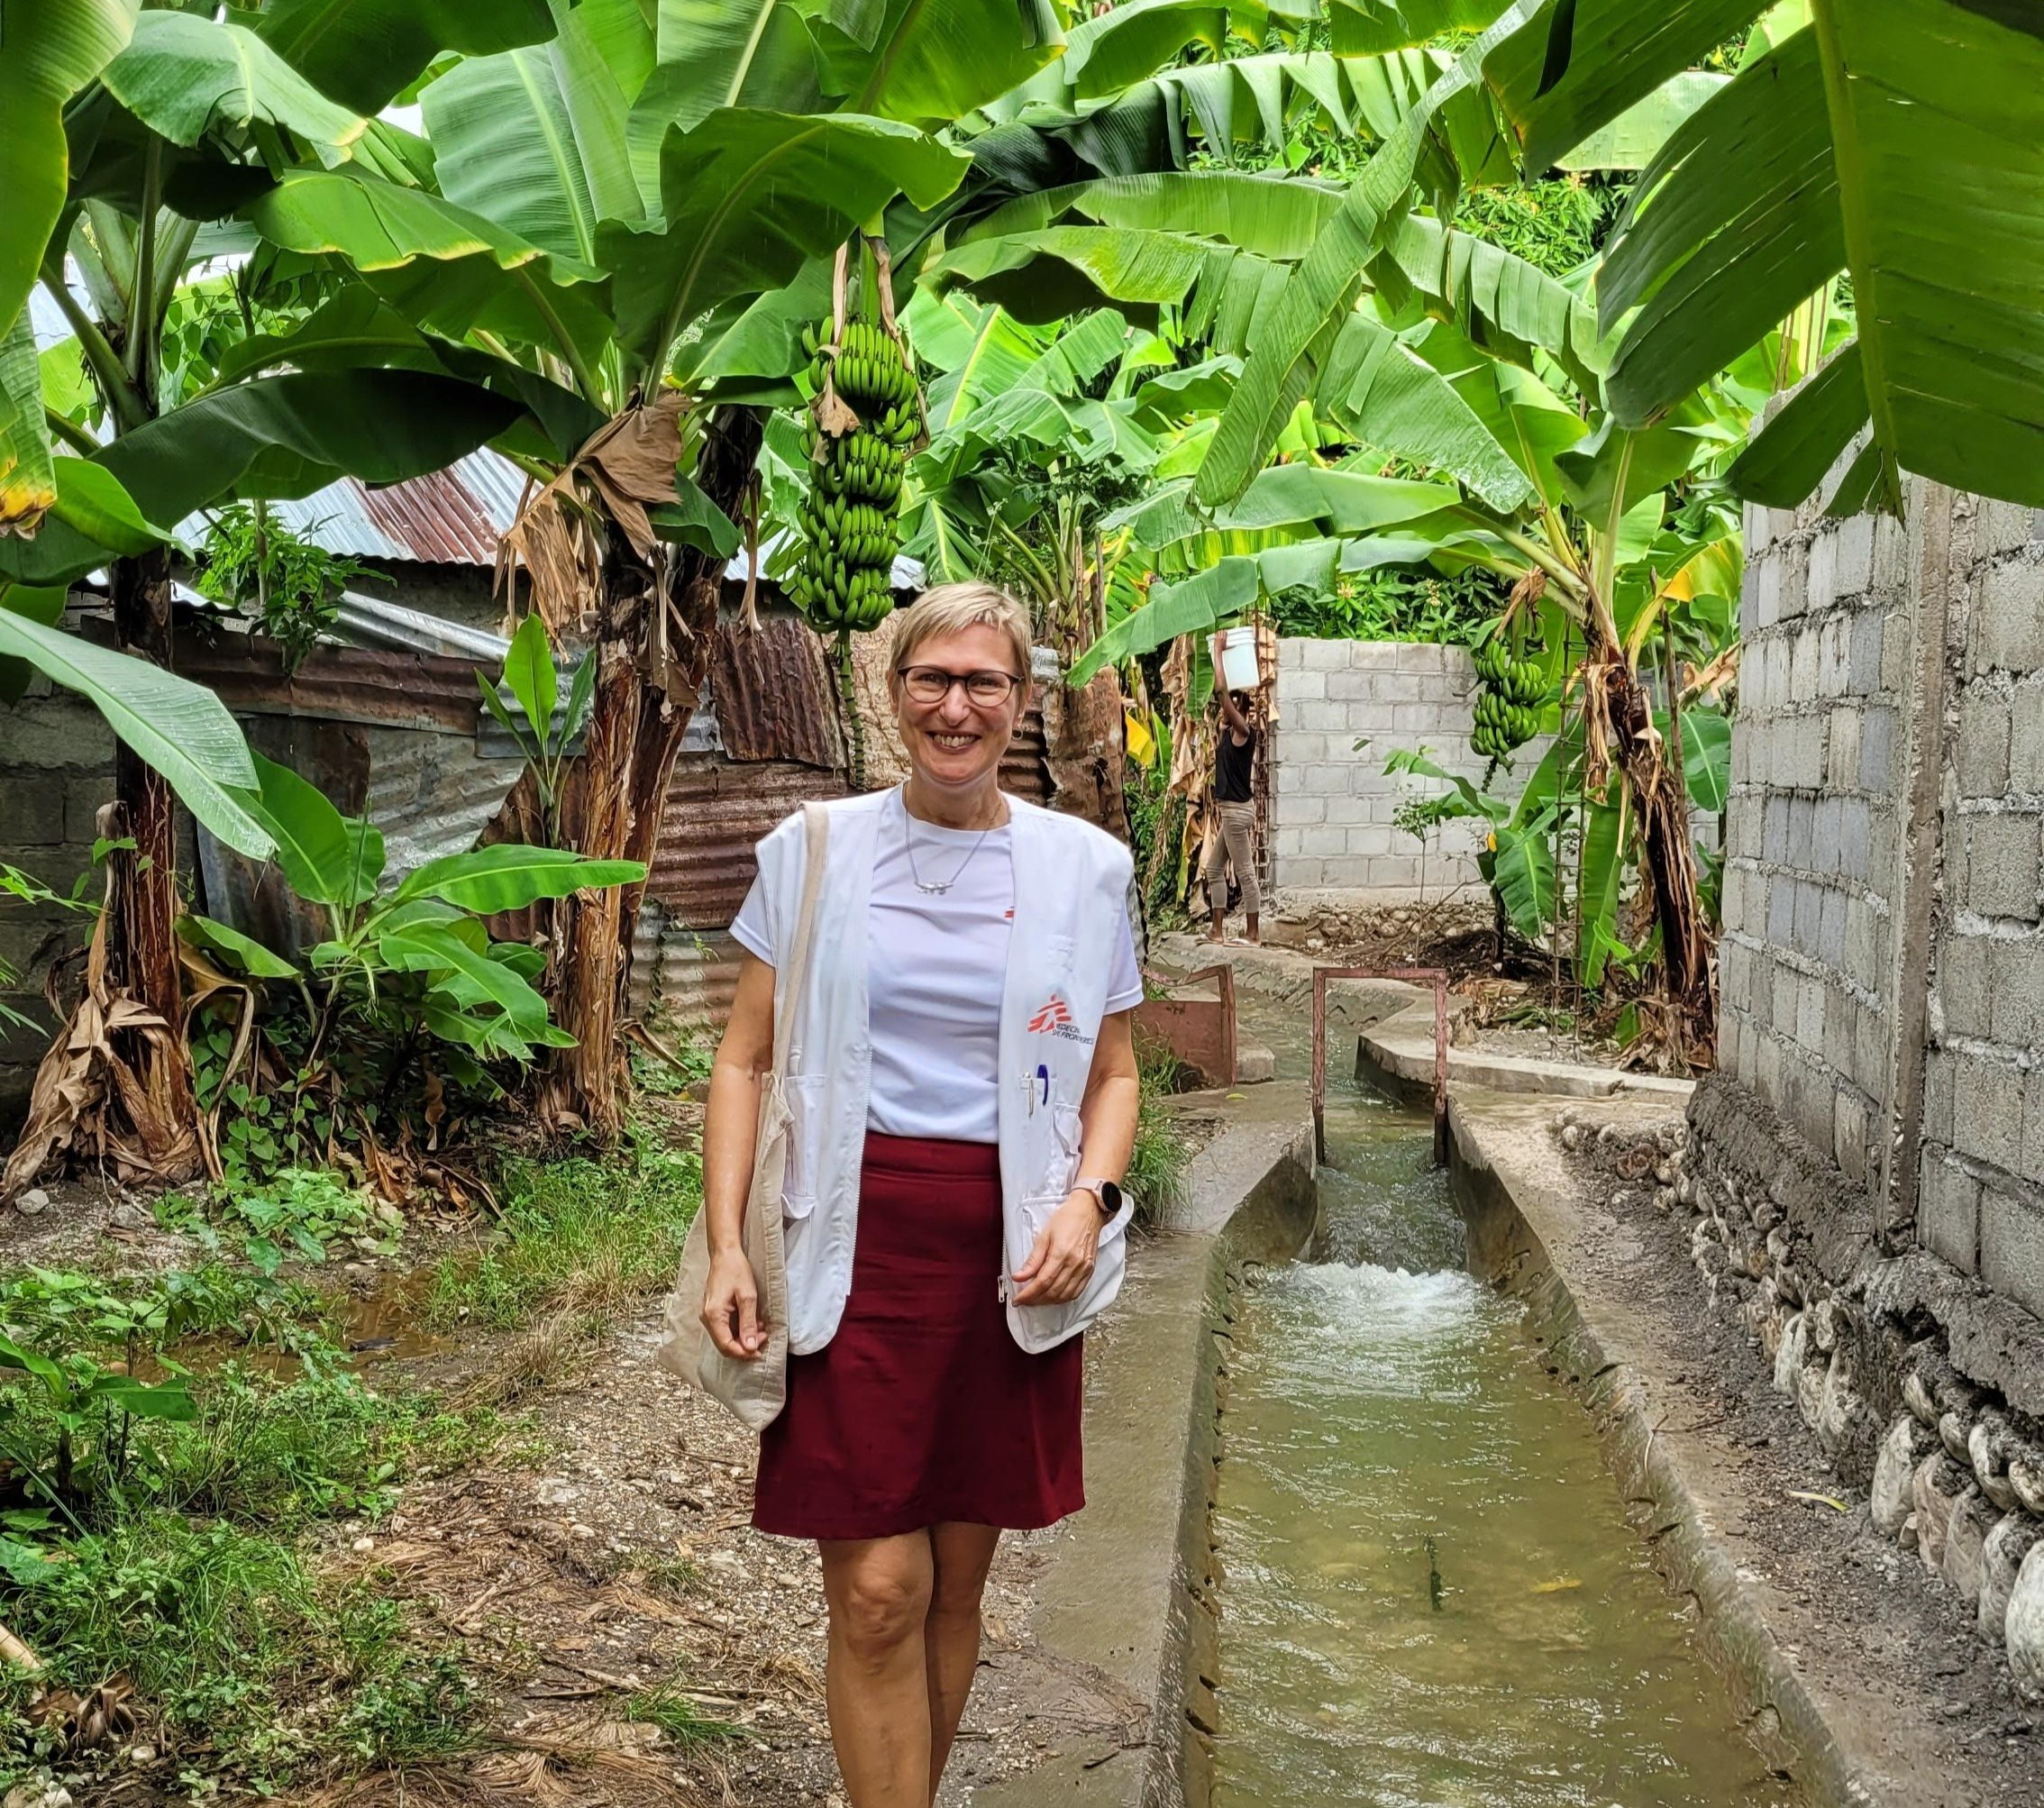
x,y
141,903
1653,774
612,801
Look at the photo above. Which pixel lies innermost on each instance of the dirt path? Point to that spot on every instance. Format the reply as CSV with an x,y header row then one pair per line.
x,y
620,1564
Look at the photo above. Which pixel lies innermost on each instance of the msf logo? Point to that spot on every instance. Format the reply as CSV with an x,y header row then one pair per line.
x,y
1055,1020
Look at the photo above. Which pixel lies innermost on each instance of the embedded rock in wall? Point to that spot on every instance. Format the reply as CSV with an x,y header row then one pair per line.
x,y
2000,1560
1973,1518
1938,1482
2023,1628
1894,1475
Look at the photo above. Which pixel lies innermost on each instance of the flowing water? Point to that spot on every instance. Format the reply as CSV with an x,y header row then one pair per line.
x,y
1431,1595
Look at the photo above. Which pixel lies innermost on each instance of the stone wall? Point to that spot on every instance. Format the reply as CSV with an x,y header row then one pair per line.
x,y
1982,1187
1813,825
56,770
1866,1172
1333,804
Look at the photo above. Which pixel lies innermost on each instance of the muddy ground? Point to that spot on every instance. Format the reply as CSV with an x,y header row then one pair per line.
x,y
1875,1625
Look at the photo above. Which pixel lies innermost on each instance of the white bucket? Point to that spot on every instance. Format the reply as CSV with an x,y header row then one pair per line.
x,y
1238,669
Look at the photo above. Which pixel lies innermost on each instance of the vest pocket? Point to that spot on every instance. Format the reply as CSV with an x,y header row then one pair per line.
x,y
807,1106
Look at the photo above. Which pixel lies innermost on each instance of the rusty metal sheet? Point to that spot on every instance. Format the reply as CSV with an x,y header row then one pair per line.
x,y
370,684
771,688
717,811
682,979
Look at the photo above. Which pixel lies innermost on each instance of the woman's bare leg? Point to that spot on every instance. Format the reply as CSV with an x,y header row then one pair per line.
x,y
876,1684
950,1639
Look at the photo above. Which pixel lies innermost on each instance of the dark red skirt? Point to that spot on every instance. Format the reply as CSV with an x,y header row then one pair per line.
x,y
923,1410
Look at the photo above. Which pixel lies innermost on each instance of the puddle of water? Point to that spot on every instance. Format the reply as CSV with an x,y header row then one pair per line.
x,y
1431,1596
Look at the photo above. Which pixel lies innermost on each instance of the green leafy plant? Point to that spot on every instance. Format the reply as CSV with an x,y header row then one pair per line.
x,y
534,681
287,585
420,952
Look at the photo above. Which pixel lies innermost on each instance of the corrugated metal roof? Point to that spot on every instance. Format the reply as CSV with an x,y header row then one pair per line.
x,y
447,518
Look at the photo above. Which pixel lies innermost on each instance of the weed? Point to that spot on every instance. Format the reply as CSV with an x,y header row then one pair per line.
x,y
224,1632
578,1234
1156,1176
297,1211
676,1714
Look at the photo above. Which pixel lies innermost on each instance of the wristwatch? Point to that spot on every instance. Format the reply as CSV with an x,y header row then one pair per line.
x,y
1106,1193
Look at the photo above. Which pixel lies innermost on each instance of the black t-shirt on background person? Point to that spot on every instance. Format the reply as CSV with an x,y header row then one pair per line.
x,y
1232,768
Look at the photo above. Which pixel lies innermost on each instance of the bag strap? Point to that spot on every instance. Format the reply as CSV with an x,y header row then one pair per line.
x,y
816,824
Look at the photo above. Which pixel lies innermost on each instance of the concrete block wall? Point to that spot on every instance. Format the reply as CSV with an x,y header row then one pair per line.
x,y
1981,1204
56,770
1333,807
1814,823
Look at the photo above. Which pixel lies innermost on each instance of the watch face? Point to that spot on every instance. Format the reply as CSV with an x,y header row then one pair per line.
x,y
1110,1198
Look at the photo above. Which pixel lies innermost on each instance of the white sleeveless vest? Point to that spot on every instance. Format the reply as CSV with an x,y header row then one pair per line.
x,y
1070,888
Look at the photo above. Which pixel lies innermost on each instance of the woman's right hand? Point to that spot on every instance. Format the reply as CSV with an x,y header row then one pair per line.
x,y
730,1307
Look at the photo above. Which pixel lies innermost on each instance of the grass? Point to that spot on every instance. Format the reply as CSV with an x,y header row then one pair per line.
x,y
1156,1177
183,1554
258,1667
676,1716
579,1236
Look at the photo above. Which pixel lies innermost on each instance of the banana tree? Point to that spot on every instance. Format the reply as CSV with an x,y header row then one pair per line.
x,y
133,126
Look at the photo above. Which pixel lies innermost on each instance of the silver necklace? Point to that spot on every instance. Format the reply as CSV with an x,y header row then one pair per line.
x,y
935,887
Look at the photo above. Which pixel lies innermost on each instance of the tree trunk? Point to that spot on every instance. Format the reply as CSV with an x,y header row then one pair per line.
x,y
141,935
1654,776
611,802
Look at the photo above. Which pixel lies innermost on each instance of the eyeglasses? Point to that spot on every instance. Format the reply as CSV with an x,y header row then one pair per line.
x,y
931,684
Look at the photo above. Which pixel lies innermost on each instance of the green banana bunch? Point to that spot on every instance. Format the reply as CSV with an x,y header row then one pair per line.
x,y
849,521
1508,694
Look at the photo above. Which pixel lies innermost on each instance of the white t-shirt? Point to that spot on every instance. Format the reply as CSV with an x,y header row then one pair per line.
x,y
935,966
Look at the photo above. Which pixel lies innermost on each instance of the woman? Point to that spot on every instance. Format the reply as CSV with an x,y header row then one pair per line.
x,y
963,1093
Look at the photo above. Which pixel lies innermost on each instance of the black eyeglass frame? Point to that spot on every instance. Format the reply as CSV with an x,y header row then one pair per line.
x,y
908,673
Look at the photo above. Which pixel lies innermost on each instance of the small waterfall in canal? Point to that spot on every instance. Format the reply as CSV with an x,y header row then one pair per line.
x,y
1431,1595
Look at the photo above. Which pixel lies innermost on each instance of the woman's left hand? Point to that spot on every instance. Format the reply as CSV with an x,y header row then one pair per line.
x,y
1062,1262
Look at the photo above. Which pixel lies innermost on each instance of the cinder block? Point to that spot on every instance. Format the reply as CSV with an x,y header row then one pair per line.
x,y
1290,653
1832,931
84,798
32,812
1877,769
54,730
2008,626
1297,685
1802,663
1325,655
1891,556
1781,911
1984,743
1940,1093
1301,812
2032,1123
1373,838
1987,1111
1348,687
1323,841
2002,855
1810,1003
1822,586
1809,916
2026,738
1949,1214
1961,980
1854,541
1842,755
1869,628
2015,975
2011,1247
2003,526
1855,838
1849,1134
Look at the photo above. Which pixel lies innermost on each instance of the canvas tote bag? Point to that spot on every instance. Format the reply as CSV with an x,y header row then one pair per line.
x,y
755,1390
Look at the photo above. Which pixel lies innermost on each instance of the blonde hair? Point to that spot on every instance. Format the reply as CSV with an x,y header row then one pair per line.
x,y
952,608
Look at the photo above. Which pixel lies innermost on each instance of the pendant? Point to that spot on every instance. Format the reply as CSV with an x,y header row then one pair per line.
x,y
933,891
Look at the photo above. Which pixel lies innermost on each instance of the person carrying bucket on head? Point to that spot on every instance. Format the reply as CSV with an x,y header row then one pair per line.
x,y
1231,836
